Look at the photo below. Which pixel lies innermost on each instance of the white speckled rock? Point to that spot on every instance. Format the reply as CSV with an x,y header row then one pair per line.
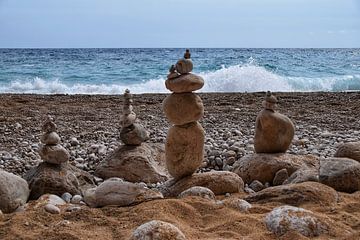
x,y
286,218
238,204
157,230
51,199
199,192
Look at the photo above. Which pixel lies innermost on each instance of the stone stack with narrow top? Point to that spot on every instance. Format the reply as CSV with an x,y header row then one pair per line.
x,y
184,147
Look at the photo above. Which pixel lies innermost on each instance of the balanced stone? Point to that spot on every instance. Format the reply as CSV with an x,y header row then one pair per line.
x,y
183,108
184,66
128,120
51,138
184,149
349,150
184,83
273,131
55,154
135,134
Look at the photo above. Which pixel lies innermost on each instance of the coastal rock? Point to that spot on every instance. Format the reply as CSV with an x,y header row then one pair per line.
x,y
303,175
297,194
128,119
280,177
199,192
157,230
52,209
237,204
51,138
115,191
256,186
134,134
57,179
144,163
342,174
184,149
263,167
349,150
183,108
14,192
184,66
273,132
50,199
185,83
219,182
54,154
287,218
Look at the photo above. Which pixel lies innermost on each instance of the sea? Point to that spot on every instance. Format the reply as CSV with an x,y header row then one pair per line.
x,y
144,70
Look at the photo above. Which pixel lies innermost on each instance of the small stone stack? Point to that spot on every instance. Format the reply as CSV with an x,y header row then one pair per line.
x,y
184,147
273,131
131,133
52,152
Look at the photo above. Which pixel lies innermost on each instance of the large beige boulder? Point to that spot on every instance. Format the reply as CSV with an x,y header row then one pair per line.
x,y
115,191
185,83
157,230
349,150
297,194
342,174
273,132
263,167
183,108
184,149
14,192
144,163
219,182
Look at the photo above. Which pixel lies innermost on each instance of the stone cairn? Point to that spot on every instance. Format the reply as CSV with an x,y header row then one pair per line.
x,y
273,131
52,152
184,147
131,133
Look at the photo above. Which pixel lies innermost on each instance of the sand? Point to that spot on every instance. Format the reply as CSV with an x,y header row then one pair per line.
x,y
195,217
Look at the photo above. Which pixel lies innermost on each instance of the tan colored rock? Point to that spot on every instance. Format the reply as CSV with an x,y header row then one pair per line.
x,y
184,83
54,154
135,134
128,119
184,66
219,182
51,138
144,163
115,191
157,230
198,192
297,194
183,108
273,132
263,167
349,150
184,149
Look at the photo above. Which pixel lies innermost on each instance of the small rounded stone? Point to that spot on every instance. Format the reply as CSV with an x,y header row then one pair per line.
x,y
158,230
50,208
51,138
184,66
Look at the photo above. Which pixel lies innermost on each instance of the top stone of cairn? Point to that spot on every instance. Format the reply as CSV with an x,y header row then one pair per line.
x,y
180,80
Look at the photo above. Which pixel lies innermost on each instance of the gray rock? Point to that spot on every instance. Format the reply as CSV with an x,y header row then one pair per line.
x,y
14,192
76,199
280,177
55,154
238,204
74,142
51,199
256,185
199,192
157,230
66,197
50,208
134,134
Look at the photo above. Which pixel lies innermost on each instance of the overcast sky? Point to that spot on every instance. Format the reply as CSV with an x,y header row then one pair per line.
x,y
179,23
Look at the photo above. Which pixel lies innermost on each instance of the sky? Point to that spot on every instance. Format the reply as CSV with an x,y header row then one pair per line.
x,y
179,23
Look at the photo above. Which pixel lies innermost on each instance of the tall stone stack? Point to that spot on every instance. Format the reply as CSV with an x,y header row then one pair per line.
x,y
184,147
52,152
131,133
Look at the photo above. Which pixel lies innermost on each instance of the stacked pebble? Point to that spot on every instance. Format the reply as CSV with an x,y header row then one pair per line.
x,y
132,133
52,152
184,147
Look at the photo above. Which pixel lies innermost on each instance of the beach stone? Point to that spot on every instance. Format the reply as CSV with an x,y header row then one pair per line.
x,y
66,197
303,175
51,138
54,154
76,199
57,179
263,167
183,108
349,150
184,149
144,163
52,209
297,194
74,142
199,192
288,218
157,230
219,182
134,134
115,191
342,174
273,132
184,66
2,217
256,185
50,199
128,119
280,177
184,83
14,192
238,204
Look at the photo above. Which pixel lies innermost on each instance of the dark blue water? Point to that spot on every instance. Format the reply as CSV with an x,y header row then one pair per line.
x,y
110,71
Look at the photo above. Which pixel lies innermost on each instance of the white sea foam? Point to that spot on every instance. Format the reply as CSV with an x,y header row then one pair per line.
x,y
246,78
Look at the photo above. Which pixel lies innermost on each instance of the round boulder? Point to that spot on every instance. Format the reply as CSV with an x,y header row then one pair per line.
x,y
157,230
182,108
349,150
199,192
185,83
184,149
273,132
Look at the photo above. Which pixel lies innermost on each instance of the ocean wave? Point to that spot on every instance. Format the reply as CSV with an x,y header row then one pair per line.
x,y
238,78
